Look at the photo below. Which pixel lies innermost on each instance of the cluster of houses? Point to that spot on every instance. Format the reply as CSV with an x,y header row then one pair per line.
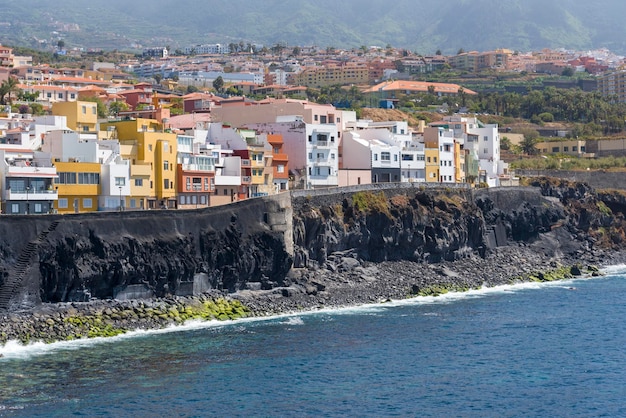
x,y
70,161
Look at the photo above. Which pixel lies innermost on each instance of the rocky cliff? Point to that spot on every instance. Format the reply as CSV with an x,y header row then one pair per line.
x,y
259,244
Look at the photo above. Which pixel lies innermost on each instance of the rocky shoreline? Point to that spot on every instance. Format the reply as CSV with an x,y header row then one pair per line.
x,y
348,282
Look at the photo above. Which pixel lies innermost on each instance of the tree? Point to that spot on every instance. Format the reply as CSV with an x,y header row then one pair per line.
x,y
460,51
192,89
296,51
7,88
61,44
158,78
218,84
531,137
438,52
116,107
505,143
567,72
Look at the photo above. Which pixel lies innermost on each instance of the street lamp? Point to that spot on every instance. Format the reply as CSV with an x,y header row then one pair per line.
x,y
27,204
120,198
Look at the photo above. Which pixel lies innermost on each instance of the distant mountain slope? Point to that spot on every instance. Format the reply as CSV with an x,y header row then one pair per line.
x,y
418,25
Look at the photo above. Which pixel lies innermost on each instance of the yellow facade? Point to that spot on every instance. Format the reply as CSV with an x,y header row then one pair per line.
x,y
81,116
431,157
350,73
459,164
78,186
152,153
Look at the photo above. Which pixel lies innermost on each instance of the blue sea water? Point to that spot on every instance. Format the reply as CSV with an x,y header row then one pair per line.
x,y
545,350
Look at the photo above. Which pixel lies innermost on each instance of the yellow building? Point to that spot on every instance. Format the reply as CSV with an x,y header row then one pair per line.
x,y
459,163
431,154
331,74
81,116
152,153
78,186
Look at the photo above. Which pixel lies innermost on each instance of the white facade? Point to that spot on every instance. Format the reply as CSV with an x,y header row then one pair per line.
x,y
206,78
447,168
313,149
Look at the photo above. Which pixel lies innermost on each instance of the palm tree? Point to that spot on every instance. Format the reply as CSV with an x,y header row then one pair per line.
x,y
8,87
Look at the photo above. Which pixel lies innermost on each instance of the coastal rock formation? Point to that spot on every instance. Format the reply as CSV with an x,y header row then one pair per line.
x,y
294,245
154,253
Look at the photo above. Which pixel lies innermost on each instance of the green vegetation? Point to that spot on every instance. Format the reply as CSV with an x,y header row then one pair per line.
x,y
559,273
117,321
562,162
368,202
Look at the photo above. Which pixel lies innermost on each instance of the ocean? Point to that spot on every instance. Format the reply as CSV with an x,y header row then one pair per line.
x,y
530,350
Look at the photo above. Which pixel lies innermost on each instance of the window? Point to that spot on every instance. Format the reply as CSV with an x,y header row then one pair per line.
x,y
139,182
407,157
420,157
188,183
310,156
395,157
206,183
332,155
149,146
582,148
166,165
62,203
310,138
84,109
15,208
323,119
446,147
93,110
485,150
166,183
60,95
315,118
49,95
375,157
225,192
434,159
87,203
555,149
280,168
575,148
276,150
120,181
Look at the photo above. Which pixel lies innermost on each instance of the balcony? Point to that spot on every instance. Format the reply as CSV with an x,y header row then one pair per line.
x,y
323,162
324,144
258,164
143,170
246,180
30,195
280,157
245,163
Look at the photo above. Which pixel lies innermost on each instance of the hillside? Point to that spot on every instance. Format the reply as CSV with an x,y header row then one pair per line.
x,y
476,25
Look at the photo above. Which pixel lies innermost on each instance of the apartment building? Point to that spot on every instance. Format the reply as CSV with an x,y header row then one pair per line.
x,y
80,116
26,181
195,172
613,84
152,153
330,74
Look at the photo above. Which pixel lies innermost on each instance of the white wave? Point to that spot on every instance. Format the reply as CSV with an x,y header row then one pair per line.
x,y
14,349
616,269
294,320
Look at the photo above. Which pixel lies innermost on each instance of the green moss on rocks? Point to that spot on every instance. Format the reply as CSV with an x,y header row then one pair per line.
x,y
118,320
